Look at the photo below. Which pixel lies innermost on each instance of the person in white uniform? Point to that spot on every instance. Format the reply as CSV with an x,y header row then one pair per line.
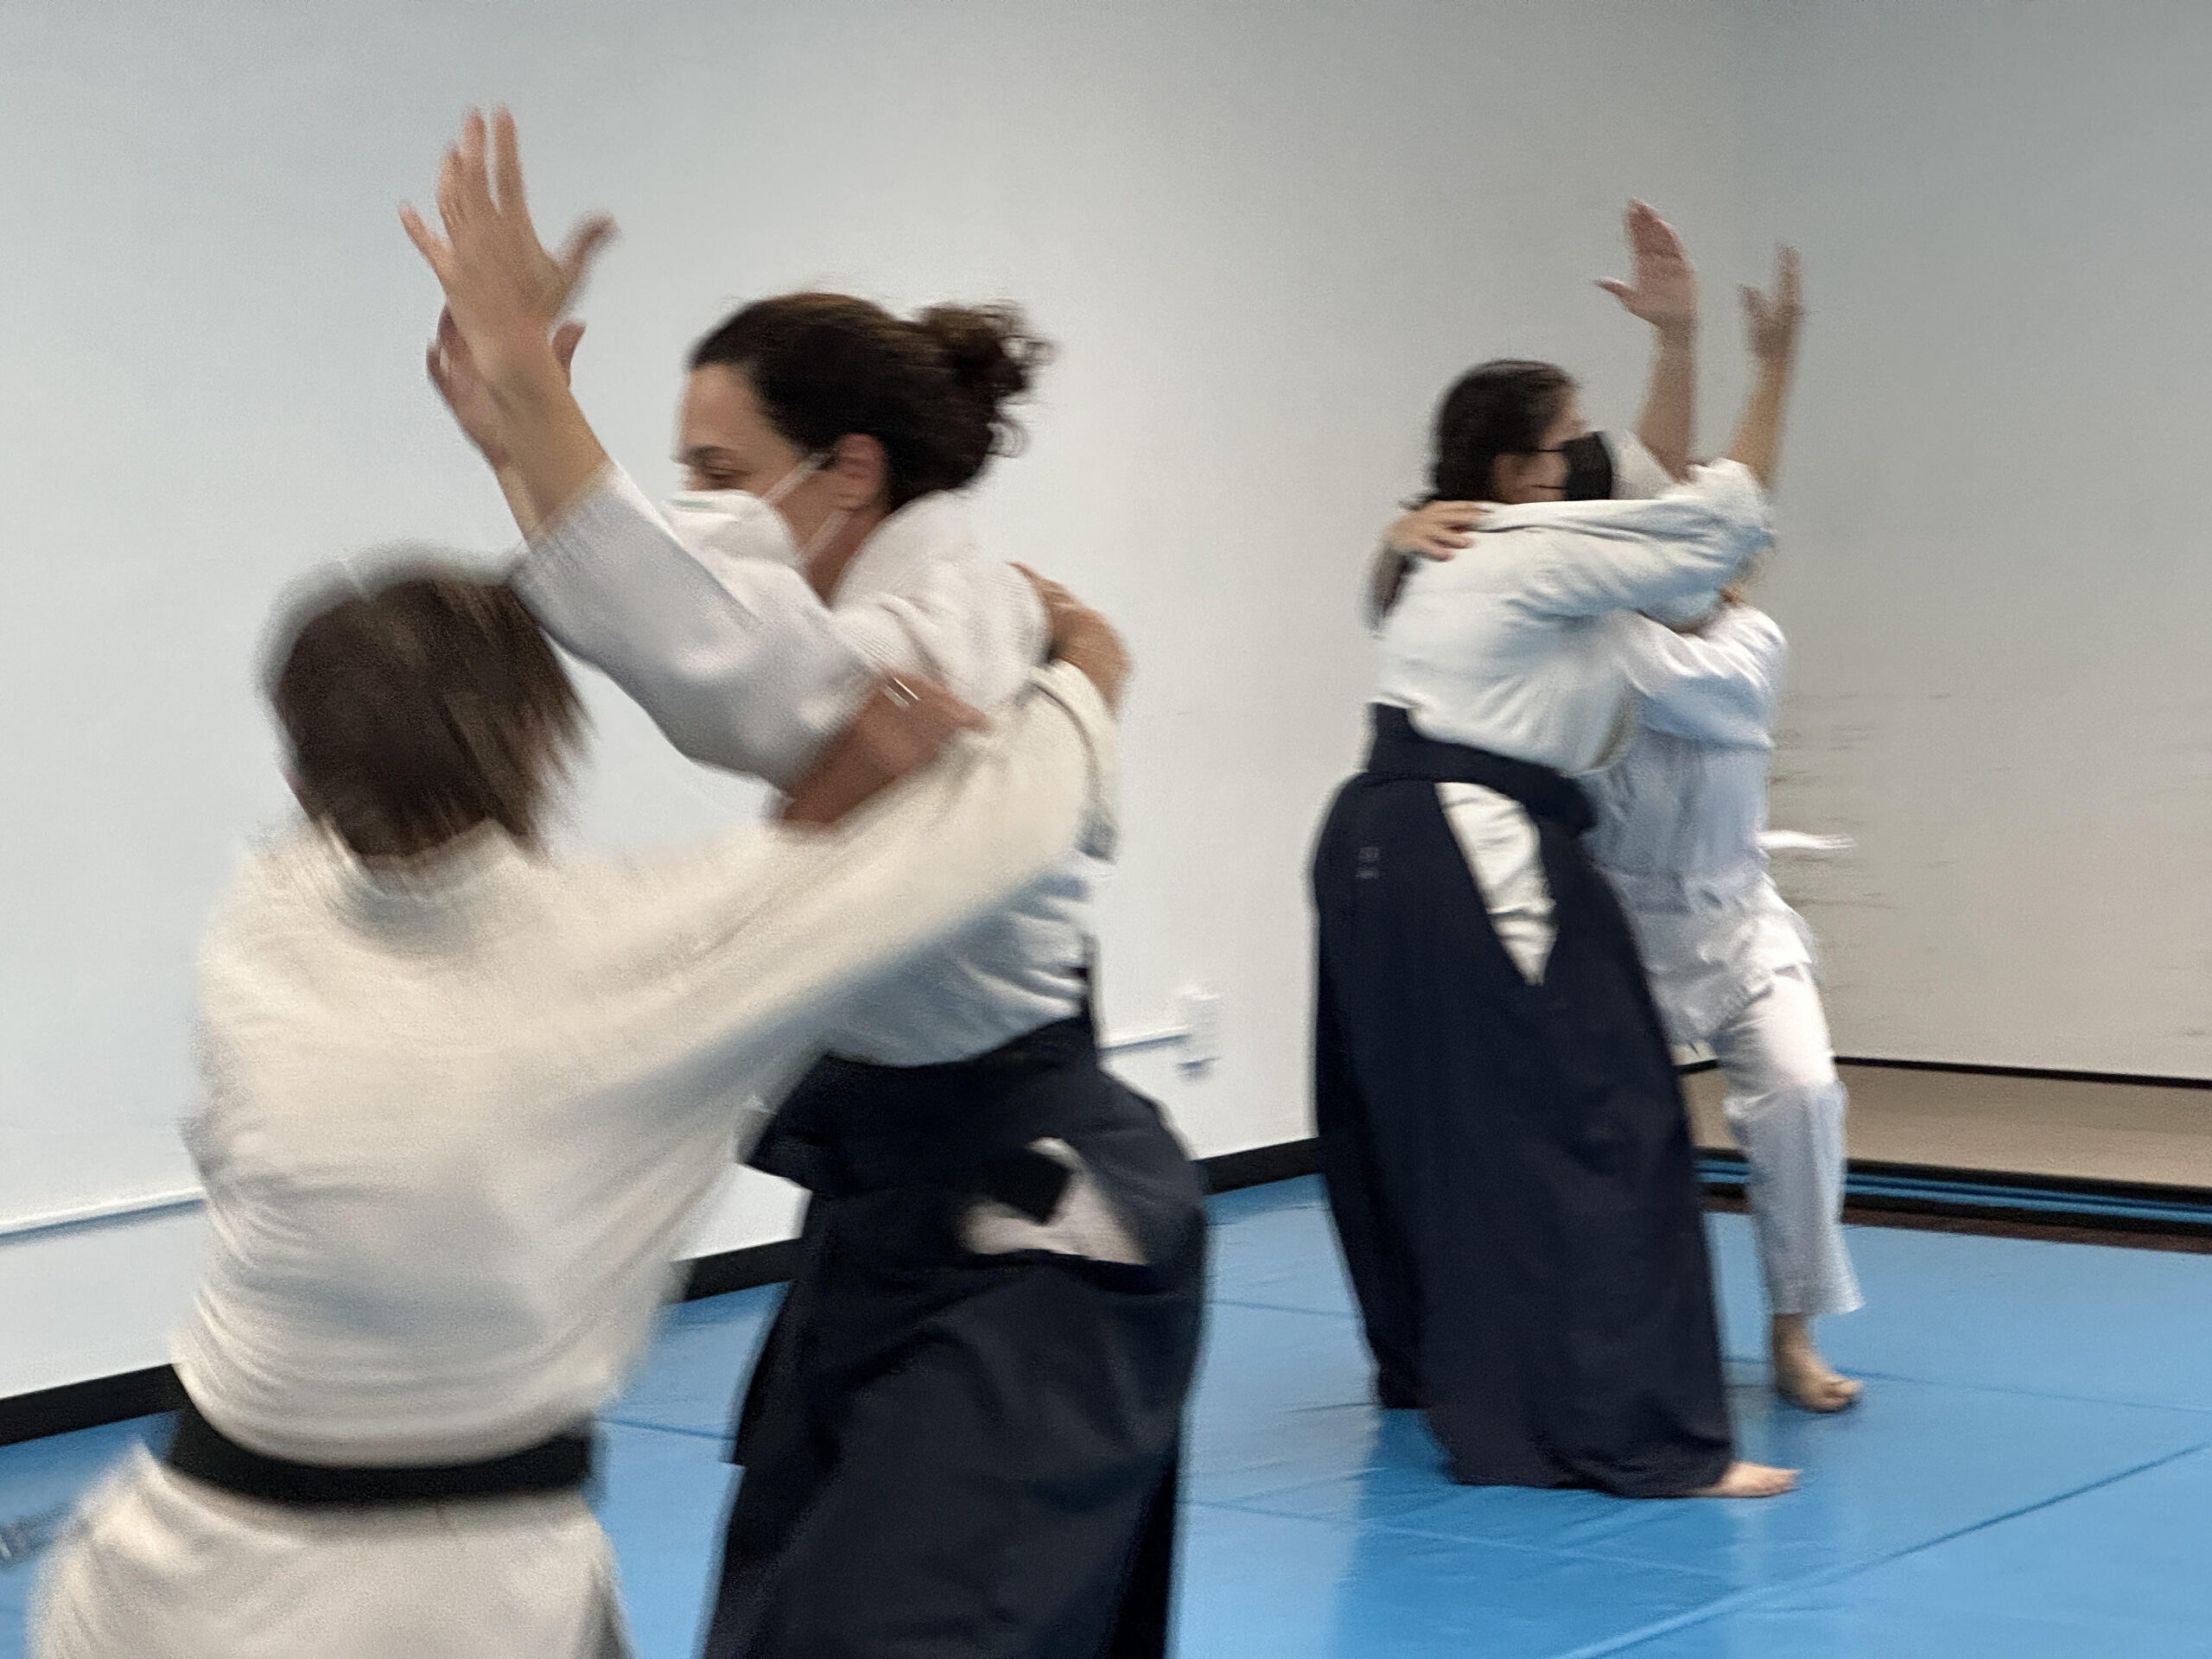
x,y
1508,1160
1680,813
823,439
461,1103
1680,819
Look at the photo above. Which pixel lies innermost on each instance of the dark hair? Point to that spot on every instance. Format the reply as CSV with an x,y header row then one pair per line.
x,y
1500,408
420,705
932,392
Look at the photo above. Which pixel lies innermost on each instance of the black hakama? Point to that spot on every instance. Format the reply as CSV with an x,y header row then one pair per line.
x,y
949,1454
1509,1165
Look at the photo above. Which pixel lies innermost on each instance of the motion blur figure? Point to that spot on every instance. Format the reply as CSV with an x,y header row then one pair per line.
x,y
461,1101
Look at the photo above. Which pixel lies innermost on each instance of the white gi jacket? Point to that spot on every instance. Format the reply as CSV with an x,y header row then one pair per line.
x,y
743,667
1514,647
455,1125
1511,646
1682,810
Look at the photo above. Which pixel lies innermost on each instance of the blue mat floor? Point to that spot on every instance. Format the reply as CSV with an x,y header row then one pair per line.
x,y
2029,1478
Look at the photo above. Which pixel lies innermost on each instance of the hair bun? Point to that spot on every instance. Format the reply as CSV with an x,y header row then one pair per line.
x,y
993,356
933,391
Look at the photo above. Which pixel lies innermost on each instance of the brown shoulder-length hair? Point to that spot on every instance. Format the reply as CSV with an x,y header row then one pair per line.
x,y
419,704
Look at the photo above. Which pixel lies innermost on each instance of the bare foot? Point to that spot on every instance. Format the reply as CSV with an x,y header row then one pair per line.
x,y
1749,1480
1800,1375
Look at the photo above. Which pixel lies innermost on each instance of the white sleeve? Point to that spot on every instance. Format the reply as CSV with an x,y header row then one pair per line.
x,y
786,928
1638,475
742,668
1596,557
1720,685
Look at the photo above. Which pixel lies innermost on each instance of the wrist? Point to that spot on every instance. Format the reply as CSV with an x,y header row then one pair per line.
x,y
522,371
1677,336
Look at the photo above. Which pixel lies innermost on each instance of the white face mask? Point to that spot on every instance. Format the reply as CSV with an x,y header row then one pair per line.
x,y
739,525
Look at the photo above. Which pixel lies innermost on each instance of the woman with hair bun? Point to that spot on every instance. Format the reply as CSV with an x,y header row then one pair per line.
x,y
963,1432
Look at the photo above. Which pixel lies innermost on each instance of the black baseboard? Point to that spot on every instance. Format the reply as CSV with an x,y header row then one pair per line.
x,y
88,1405
1258,1165
2134,1079
746,1269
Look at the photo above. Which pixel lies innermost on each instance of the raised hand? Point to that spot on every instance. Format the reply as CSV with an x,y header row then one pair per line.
x,y
503,290
453,370
1663,291
1774,318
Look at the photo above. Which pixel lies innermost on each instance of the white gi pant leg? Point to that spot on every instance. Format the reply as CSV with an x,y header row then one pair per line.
x,y
1785,1108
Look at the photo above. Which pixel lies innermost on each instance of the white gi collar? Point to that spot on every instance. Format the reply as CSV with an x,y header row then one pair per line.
x,y
923,534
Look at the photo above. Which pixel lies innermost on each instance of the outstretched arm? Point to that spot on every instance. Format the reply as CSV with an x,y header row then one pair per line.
x,y
1587,557
1774,320
1663,293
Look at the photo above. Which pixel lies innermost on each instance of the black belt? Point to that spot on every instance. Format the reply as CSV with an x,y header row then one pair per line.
x,y
200,1450
1400,751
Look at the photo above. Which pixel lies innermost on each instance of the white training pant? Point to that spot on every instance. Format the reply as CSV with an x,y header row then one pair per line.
x,y
1785,1107
156,1565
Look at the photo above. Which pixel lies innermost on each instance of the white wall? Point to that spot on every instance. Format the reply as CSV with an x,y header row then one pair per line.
x,y
1266,236
1995,526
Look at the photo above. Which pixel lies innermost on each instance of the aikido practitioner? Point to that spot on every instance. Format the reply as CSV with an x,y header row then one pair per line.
x,y
964,1427
1502,1136
461,1101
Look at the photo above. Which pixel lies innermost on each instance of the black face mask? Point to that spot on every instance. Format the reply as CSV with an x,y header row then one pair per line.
x,y
1589,468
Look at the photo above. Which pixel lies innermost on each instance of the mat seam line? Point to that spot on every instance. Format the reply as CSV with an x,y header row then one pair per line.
x,y
1744,1599
1258,1505
666,1428
1240,1507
